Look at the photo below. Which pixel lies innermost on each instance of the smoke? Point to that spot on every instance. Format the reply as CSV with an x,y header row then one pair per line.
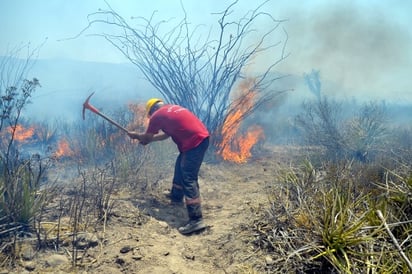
x,y
360,49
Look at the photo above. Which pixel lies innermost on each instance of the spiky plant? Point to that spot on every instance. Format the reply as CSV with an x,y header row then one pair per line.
x,y
325,221
23,197
344,241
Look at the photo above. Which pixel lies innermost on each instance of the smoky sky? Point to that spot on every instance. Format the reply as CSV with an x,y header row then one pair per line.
x,y
356,49
361,48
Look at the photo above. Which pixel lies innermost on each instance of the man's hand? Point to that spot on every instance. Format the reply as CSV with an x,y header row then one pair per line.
x,y
143,142
143,138
146,138
134,135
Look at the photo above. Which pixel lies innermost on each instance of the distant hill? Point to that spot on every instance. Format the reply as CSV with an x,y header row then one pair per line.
x,y
65,84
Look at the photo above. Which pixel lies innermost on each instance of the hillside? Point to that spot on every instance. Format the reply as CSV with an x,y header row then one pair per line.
x,y
66,83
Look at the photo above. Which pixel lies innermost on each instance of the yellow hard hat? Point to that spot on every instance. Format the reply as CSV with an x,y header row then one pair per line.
x,y
150,103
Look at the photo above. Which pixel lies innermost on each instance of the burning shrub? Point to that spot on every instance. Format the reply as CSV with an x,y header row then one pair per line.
x,y
203,76
232,146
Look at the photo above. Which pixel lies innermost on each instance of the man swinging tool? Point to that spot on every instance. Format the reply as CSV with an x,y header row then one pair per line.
x,y
192,139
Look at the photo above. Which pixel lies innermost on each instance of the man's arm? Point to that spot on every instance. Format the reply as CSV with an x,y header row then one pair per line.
x,y
146,138
160,136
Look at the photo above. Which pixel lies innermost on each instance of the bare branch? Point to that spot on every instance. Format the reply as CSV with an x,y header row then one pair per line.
x,y
194,67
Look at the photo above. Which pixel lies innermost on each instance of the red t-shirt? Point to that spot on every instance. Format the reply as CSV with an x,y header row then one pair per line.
x,y
186,130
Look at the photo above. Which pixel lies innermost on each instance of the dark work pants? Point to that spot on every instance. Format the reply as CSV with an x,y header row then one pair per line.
x,y
185,179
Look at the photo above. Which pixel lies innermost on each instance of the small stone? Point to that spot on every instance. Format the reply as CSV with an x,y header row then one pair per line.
x,y
163,224
125,249
27,252
55,260
137,257
120,261
189,256
87,240
30,266
269,260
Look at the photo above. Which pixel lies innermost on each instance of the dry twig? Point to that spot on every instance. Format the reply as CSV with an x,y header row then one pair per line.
x,y
408,262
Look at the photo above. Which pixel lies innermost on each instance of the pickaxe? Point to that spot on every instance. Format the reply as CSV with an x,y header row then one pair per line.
x,y
87,105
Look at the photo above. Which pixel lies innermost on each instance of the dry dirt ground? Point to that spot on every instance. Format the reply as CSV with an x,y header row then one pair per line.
x,y
142,236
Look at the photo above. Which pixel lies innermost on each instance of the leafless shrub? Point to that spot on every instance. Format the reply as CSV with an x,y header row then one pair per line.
x,y
361,136
88,204
399,143
321,124
105,185
366,131
192,67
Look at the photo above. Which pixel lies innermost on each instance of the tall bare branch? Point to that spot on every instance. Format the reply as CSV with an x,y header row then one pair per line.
x,y
196,67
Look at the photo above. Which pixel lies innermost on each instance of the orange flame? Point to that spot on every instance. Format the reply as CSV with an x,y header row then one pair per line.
x,y
233,147
140,120
20,133
139,116
63,149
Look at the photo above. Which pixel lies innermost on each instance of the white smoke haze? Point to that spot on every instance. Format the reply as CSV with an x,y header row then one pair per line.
x,y
361,49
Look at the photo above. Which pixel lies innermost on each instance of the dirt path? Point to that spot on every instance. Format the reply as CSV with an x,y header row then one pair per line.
x,y
228,191
142,235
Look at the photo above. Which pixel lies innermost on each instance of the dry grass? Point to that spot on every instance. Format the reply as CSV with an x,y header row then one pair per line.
x,y
325,221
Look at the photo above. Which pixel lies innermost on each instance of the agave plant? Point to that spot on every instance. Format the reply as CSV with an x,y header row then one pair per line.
x,y
342,225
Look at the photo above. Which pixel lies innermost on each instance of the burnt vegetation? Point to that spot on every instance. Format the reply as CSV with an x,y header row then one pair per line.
x,y
342,205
